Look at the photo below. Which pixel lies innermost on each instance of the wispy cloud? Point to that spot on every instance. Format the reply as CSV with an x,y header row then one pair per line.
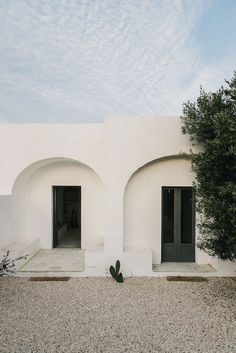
x,y
84,60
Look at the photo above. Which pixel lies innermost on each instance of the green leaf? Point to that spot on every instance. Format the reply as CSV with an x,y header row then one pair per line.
x,y
120,278
113,272
117,267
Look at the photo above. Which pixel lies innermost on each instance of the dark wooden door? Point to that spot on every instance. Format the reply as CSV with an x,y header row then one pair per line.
x,y
178,224
55,217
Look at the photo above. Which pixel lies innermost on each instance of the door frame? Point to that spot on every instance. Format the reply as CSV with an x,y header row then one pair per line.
x,y
54,211
53,189
177,216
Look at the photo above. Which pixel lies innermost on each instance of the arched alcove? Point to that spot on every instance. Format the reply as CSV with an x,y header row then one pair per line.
x,y
32,201
143,201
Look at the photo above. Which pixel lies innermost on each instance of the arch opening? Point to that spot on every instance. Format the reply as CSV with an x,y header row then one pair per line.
x,y
33,209
143,202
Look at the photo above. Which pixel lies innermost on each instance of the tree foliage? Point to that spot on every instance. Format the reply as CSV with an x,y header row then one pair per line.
x,y
211,123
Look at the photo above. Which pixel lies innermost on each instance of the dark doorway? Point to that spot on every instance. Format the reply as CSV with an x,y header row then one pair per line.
x,y
178,224
67,216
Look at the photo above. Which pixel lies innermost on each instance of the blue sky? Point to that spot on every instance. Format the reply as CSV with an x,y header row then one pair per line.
x,y
83,60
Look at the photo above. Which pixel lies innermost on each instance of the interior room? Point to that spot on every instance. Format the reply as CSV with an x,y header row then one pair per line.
x,y
67,216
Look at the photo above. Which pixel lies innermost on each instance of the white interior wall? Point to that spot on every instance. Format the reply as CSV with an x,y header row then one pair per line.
x,y
142,202
32,205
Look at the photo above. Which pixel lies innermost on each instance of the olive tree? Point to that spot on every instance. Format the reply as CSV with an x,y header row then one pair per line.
x,y
211,123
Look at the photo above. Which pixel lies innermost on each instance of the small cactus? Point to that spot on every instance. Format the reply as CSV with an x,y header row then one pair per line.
x,y
114,271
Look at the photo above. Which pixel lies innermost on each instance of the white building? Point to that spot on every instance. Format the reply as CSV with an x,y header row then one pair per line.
x,y
118,190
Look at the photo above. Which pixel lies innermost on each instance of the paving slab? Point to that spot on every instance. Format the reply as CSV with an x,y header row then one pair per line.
x,y
56,260
182,267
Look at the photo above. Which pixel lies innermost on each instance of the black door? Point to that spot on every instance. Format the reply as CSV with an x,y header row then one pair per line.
x,y
55,217
178,224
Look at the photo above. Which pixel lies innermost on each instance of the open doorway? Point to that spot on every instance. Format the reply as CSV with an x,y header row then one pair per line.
x,y
67,216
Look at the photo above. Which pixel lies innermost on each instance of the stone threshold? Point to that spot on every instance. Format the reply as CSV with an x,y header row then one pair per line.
x,y
189,267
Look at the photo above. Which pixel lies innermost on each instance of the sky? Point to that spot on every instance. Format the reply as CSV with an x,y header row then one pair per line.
x,y
83,60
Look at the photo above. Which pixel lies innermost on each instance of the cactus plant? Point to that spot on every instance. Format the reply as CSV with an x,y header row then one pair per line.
x,y
115,272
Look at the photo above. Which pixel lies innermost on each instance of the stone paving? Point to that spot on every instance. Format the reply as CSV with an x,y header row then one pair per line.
x,y
56,260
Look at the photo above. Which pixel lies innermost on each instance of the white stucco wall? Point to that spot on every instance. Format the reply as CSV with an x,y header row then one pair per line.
x,y
32,203
21,145
121,168
6,233
142,202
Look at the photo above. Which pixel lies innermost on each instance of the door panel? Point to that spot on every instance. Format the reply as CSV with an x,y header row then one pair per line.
x,y
186,216
168,224
178,238
55,217
168,216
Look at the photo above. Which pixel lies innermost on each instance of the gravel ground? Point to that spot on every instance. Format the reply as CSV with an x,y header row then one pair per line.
x,y
98,315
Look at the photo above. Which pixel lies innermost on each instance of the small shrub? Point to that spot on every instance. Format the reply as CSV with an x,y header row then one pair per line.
x,y
8,265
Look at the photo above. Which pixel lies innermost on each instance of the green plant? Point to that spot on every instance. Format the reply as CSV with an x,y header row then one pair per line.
x,y
7,265
115,272
211,124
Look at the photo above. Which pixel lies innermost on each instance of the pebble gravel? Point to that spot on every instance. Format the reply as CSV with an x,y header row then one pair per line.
x,y
98,315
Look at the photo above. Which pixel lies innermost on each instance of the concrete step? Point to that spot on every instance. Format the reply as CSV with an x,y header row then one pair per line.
x,y
21,248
